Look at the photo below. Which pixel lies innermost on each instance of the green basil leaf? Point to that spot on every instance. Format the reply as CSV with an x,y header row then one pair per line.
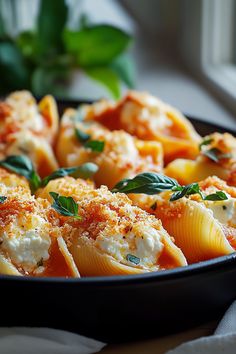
x,y
2,199
133,259
65,205
19,164
84,171
81,136
205,141
50,25
219,195
107,77
95,145
147,183
96,45
23,166
123,66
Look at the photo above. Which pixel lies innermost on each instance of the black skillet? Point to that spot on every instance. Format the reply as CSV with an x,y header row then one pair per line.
x,y
122,308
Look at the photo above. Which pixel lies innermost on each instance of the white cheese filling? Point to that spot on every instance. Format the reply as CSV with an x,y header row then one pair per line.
x,y
27,249
143,243
224,211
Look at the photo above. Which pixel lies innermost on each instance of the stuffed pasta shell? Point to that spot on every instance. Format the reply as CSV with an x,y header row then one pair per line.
x,y
114,237
31,240
203,228
28,129
148,118
25,114
217,156
117,153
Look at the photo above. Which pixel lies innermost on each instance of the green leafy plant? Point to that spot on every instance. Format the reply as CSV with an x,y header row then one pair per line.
x,y
43,59
154,183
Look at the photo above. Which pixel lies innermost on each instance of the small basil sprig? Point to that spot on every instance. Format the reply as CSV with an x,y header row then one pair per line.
x,y
2,199
213,153
154,183
216,155
65,206
85,139
184,191
84,171
193,188
23,166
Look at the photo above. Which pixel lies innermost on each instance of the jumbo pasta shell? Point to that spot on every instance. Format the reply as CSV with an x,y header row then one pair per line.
x,y
91,262
36,148
197,233
148,118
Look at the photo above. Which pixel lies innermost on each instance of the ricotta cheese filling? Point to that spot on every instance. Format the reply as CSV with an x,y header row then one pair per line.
x,y
224,211
27,245
140,247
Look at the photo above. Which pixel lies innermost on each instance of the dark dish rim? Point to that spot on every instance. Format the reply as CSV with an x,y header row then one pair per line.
x,y
164,275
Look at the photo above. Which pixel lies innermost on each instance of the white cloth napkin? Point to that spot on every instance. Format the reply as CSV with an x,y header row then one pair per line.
x,y
22,340
223,340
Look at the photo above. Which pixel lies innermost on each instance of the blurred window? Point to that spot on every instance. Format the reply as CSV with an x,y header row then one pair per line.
x,y
209,44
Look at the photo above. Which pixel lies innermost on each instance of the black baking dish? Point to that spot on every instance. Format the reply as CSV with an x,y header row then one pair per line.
x,y
123,308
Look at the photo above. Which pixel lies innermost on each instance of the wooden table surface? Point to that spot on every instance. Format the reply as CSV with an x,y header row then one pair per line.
x,y
163,344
